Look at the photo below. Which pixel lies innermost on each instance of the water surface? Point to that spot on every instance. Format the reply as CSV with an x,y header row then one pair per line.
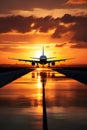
x,y
22,102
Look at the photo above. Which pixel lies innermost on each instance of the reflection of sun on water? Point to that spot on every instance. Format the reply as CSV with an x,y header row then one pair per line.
x,y
39,109
39,85
39,95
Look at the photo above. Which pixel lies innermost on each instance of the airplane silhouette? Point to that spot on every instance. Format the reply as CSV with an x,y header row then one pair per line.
x,y
42,60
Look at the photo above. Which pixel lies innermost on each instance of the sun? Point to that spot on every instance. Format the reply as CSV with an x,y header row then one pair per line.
x,y
38,54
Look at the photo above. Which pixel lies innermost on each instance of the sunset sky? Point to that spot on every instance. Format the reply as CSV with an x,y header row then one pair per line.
x,y
58,25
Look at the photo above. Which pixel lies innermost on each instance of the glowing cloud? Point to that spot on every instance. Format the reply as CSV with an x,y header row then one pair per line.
x,y
77,2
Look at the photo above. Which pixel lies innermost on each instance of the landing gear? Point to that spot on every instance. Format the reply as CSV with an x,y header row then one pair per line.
x,y
48,64
37,65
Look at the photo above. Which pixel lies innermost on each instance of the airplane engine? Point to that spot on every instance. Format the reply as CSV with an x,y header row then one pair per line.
x,y
53,63
33,63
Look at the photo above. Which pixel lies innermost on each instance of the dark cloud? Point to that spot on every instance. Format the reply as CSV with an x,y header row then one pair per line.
x,y
59,31
80,29
76,25
26,24
19,23
30,4
44,24
67,18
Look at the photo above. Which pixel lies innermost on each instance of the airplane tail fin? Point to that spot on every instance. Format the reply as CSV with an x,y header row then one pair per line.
x,y
43,51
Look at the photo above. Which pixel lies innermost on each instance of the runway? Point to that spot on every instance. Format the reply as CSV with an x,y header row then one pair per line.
x,y
65,99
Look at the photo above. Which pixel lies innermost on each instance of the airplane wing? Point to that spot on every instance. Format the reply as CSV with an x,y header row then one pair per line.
x,y
34,58
25,60
51,57
58,60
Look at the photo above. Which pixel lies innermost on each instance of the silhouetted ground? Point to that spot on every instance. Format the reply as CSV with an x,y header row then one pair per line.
x,y
77,73
6,69
8,74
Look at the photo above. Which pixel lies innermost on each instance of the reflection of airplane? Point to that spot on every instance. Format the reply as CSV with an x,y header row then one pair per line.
x,y
42,60
48,74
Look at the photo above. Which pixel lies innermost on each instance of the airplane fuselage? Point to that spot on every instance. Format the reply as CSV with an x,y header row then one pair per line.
x,y
43,59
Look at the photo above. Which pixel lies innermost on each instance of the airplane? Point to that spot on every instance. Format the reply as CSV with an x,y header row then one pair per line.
x,y
42,60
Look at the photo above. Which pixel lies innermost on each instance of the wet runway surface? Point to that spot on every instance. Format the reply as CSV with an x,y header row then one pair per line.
x,y
43,97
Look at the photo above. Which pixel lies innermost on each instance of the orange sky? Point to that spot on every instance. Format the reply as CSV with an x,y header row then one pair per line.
x,y
61,27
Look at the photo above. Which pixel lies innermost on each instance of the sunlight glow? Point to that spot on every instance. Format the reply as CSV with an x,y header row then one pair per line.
x,y
38,54
39,82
